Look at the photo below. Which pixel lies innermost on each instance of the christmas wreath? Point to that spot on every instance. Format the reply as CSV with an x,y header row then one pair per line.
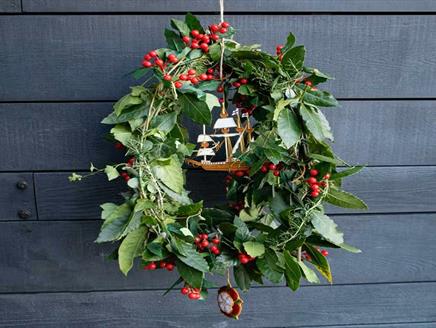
x,y
266,120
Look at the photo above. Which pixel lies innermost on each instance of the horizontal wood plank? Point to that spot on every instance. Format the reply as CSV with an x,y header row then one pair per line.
x,y
62,256
245,6
384,189
68,136
85,57
264,307
10,6
17,197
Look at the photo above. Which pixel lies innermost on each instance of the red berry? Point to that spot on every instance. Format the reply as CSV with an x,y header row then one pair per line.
x,y
276,173
203,76
146,64
173,58
194,296
195,33
178,84
216,252
167,77
216,241
313,172
186,39
197,239
240,173
225,24
204,47
199,37
213,249
153,53
314,194
279,47
210,71
205,39
147,57
314,187
183,77
119,146
264,169
184,290
192,71
308,83
162,264
311,180
220,89
214,28
221,100
204,236
243,81
204,243
126,178
214,37
152,266
159,62
209,76
131,161
272,166
223,30
324,252
236,84
170,267
244,259
194,45
327,176
307,257
194,80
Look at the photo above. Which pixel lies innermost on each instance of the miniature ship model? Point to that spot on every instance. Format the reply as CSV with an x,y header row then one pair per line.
x,y
225,128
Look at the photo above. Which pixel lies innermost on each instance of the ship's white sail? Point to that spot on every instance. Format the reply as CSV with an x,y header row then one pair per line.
x,y
204,138
224,123
205,152
224,135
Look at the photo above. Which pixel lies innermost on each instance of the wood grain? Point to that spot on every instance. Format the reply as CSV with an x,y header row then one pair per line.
x,y
10,6
344,305
384,189
254,6
84,57
62,256
68,136
13,199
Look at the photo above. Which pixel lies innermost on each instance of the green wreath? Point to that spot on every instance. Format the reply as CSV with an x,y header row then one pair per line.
x,y
280,169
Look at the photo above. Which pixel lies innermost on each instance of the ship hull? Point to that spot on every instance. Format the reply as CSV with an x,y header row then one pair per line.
x,y
223,166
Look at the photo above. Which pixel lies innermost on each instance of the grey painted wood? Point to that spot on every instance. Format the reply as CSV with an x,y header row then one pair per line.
x,y
308,307
10,6
62,255
14,199
384,189
77,57
69,136
290,6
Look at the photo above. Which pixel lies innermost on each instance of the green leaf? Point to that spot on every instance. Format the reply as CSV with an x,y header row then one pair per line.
x,y
344,199
192,276
349,248
107,210
242,233
114,223
131,247
173,40
254,248
121,133
195,109
319,98
170,174
293,60
319,261
347,172
290,41
326,159
211,101
242,277
126,101
129,114
193,259
189,210
165,122
181,26
269,273
326,227
292,271
111,172
215,51
193,23
133,183
316,123
308,273
288,127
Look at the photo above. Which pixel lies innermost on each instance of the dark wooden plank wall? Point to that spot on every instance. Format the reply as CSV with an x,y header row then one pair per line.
x,y
62,64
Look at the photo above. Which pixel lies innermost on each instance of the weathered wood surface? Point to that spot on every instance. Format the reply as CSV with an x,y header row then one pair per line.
x,y
264,307
84,57
13,199
10,6
62,256
384,189
245,6
69,136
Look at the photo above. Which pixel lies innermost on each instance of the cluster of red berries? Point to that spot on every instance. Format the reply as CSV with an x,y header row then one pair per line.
x,y
192,76
152,59
240,82
203,242
309,84
238,206
279,51
202,41
271,167
161,264
245,258
314,184
323,252
192,293
125,176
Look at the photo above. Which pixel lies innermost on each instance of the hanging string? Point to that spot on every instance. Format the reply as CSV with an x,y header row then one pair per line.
x,y
222,10
222,40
